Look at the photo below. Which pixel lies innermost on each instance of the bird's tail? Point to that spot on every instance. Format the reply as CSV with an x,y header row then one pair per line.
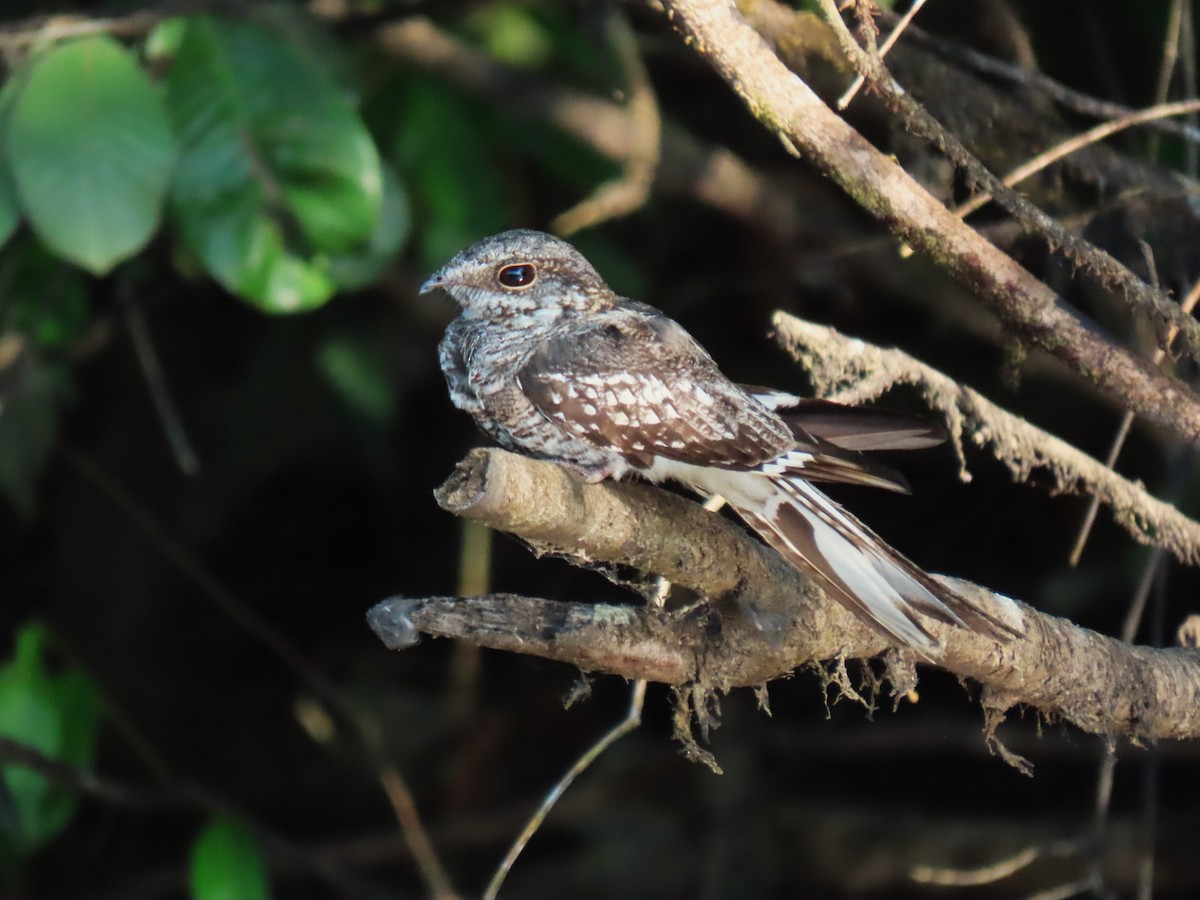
x,y
857,568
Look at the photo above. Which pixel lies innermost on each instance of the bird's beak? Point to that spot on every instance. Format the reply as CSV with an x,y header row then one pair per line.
x,y
436,280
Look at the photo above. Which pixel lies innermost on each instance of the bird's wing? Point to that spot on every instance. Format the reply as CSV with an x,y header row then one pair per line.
x,y
641,385
858,428
637,382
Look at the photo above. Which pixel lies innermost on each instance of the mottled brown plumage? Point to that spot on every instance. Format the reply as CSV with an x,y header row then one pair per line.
x,y
551,363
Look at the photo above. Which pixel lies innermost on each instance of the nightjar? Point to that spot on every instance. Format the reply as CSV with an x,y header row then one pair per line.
x,y
552,364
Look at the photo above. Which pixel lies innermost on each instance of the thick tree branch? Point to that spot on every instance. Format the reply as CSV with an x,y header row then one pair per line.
x,y
784,103
766,619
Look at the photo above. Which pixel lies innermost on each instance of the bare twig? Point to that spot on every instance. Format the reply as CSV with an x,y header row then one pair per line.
x,y
632,719
1114,450
177,796
1166,68
1069,98
630,191
156,382
474,577
944,876
788,106
897,30
1066,148
1187,54
851,371
1159,308
17,37
838,367
404,805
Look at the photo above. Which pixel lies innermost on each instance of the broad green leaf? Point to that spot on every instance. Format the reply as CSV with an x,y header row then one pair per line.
x,y
277,170
56,715
360,268
312,39
227,863
547,36
90,151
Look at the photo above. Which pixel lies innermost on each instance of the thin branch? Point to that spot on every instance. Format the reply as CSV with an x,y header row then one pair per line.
x,y
851,371
19,37
897,30
1187,55
632,719
156,382
1069,98
630,191
1114,450
181,796
1114,275
404,805
945,876
15,753
1093,135
1166,68
788,106
466,662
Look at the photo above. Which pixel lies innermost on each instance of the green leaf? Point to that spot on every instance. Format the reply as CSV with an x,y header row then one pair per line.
x,y
54,714
227,863
277,170
90,151
360,268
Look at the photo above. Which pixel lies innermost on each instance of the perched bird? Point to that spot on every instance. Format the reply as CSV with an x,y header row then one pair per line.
x,y
554,365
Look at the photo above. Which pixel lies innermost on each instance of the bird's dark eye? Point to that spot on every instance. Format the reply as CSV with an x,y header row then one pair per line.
x,y
520,275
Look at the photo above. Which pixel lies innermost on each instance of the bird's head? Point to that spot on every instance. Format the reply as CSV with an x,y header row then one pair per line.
x,y
521,273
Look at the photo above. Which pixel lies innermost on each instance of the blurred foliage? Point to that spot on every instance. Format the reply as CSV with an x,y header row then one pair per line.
x,y
89,151
274,183
55,714
227,863
276,170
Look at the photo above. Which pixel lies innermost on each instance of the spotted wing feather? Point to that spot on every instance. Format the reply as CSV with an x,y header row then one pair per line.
x,y
642,386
